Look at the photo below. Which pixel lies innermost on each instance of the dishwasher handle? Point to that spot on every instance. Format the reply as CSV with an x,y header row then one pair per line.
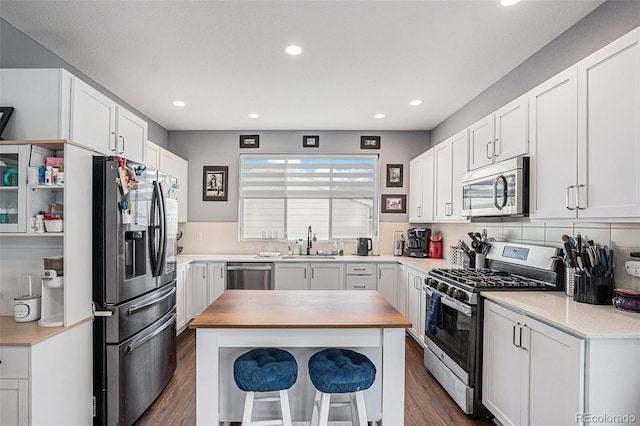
x,y
249,268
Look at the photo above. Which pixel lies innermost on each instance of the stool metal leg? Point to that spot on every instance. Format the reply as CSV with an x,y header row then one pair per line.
x,y
248,408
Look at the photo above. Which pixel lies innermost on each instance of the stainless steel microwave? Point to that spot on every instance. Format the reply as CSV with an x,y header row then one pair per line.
x,y
498,190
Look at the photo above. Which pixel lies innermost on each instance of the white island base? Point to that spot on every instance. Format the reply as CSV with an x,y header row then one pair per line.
x,y
218,399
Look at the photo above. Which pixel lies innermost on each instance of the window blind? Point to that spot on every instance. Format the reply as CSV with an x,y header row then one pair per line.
x,y
324,177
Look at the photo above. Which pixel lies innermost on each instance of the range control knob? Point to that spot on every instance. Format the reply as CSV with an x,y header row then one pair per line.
x,y
442,287
460,295
433,283
451,291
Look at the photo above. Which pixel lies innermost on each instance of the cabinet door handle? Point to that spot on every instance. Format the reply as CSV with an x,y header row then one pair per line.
x,y
567,200
204,273
578,197
521,326
379,273
305,274
496,149
513,335
221,275
359,286
122,137
115,143
313,273
487,148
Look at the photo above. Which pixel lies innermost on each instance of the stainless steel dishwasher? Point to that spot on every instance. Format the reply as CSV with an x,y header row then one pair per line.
x,y
250,276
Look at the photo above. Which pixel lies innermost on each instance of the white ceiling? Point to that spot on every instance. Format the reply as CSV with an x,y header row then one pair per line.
x,y
225,59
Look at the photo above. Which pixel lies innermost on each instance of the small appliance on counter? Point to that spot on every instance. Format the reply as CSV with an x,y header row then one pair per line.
x,y
52,314
365,245
27,307
418,242
435,247
399,244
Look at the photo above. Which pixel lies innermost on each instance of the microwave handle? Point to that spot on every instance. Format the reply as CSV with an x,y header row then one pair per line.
x,y
504,192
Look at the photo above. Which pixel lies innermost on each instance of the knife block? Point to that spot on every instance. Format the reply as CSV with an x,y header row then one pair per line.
x,y
593,290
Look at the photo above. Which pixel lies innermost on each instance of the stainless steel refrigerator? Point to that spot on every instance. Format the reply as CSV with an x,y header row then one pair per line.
x,y
134,287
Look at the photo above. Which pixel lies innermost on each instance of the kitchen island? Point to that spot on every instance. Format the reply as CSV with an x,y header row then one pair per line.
x,y
302,322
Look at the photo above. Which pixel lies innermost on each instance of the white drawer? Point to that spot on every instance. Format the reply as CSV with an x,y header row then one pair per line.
x,y
361,268
361,282
14,362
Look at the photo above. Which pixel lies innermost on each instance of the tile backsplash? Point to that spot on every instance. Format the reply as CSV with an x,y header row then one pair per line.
x,y
623,238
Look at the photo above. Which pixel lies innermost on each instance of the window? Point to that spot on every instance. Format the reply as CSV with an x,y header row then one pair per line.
x,y
282,195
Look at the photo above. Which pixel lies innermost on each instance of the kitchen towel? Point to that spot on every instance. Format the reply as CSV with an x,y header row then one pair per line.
x,y
435,317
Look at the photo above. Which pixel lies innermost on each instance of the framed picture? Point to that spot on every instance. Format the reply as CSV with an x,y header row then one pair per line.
x,y
394,203
310,141
5,114
369,142
214,183
394,175
249,141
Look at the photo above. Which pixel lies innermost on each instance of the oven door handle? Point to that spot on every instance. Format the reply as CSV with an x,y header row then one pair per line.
x,y
463,309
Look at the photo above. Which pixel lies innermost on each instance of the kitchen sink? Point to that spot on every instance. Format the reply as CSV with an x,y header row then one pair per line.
x,y
311,256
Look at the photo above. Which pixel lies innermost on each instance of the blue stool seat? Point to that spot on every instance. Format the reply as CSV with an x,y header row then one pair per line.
x,y
341,371
265,370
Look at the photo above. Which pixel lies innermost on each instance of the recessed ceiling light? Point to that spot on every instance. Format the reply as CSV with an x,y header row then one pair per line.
x,y
253,115
508,2
415,102
379,115
179,103
293,50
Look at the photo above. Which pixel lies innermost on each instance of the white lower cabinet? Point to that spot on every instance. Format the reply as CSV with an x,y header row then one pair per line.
x,y
309,276
184,297
361,276
217,281
532,374
14,385
415,304
326,276
388,283
403,290
207,284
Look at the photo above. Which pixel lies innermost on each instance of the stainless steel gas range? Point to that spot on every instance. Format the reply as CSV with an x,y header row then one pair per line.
x,y
453,320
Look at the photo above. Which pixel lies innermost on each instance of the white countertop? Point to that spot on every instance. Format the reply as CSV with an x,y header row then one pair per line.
x,y
424,265
581,319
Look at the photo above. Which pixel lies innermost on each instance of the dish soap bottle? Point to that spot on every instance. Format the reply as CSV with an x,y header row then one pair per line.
x,y
341,252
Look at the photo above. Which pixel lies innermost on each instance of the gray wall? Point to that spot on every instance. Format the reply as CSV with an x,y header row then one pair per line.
x,y
611,20
18,50
222,148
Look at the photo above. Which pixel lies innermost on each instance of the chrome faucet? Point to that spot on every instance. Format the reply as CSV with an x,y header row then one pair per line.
x,y
309,245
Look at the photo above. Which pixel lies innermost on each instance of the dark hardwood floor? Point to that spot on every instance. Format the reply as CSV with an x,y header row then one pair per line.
x,y
426,403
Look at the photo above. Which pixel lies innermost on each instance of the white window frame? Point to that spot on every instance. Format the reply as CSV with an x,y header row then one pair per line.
x,y
373,189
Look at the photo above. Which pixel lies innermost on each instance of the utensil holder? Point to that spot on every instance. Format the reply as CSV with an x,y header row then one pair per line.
x,y
480,260
593,290
569,280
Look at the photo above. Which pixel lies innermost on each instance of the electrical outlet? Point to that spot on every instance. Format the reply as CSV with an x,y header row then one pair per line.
x,y
199,236
633,267
249,247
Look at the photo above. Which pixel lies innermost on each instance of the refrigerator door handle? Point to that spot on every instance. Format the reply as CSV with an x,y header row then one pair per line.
x,y
163,230
153,252
133,346
168,293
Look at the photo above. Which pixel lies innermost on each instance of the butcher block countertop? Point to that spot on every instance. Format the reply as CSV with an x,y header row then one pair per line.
x,y
14,333
300,309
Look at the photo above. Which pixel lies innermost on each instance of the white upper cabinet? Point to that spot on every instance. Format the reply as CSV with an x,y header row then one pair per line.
x,y
166,161
132,136
93,118
553,112
421,188
500,135
451,162
54,104
609,131
585,137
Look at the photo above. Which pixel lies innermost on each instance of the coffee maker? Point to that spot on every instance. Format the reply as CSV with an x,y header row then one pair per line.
x,y
418,242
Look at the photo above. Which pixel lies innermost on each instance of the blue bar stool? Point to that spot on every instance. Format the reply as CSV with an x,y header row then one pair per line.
x,y
265,370
340,371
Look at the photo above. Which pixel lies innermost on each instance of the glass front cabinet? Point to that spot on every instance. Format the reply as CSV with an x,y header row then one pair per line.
x,y
13,188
